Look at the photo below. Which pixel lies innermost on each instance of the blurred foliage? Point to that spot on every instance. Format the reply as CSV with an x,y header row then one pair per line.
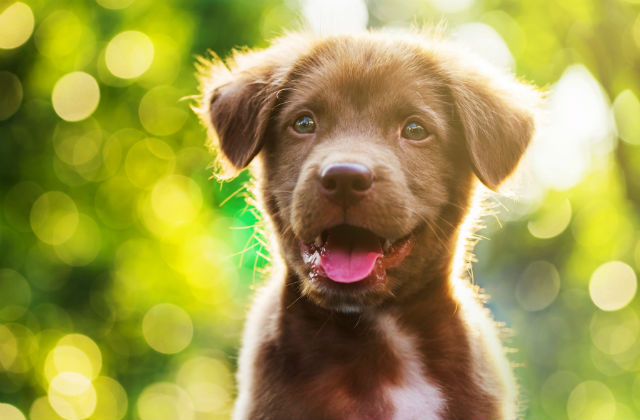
x,y
125,271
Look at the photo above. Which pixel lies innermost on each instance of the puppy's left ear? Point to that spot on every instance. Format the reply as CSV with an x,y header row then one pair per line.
x,y
497,115
238,98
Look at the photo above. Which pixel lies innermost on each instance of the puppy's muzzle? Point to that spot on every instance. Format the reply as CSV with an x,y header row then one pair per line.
x,y
345,183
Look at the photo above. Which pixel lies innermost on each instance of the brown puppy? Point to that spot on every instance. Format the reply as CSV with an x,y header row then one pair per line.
x,y
369,148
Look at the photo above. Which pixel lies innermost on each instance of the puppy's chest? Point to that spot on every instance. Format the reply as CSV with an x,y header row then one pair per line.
x,y
394,386
413,395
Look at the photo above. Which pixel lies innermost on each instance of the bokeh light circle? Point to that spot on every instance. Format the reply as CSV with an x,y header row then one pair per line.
x,y
129,54
167,328
74,353
67,359
64,37
208,382
555,391
26,346
114,4
75,96
18,201
83,246
538,286
9,412
8,348
591,400
72,396
147,161
552,221
15,295
112,399
176,199
41,410
164,400
16,25
88,347
160,111
11,97
614,332
612,286
54,217
626,109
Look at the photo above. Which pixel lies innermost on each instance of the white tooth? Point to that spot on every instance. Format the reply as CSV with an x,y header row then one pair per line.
x,y
318,240
387,245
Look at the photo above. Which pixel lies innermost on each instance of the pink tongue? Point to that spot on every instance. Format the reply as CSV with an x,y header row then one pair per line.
x,y
350,254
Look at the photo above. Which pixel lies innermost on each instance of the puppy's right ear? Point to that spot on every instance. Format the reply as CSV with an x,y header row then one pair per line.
x,y
238,98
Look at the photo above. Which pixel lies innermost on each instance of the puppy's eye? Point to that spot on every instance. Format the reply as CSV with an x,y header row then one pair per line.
x,y
414,131
304,125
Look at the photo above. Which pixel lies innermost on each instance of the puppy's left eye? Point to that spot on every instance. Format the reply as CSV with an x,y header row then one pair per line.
x,y
304,125
414,131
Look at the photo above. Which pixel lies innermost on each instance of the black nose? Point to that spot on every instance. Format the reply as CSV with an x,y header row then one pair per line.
x,y
345,183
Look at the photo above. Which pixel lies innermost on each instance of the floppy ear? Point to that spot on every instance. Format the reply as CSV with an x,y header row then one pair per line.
x,y
238,113
497,117
238,98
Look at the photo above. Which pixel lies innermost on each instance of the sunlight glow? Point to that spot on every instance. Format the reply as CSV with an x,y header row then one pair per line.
x,y
484,41
578,124
328,17
452,6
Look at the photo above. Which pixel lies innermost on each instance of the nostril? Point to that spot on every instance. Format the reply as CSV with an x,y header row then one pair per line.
x,y
363,181
329,182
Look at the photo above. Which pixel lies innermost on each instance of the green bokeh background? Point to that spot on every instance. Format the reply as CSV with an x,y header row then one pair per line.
x,y
112,227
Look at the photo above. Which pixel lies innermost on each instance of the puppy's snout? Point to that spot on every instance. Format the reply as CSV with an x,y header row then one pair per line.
x,y
345,182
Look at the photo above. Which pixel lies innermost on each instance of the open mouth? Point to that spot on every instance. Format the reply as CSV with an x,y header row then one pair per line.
x,y
350,254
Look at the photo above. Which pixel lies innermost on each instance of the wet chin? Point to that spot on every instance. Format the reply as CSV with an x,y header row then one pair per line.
x,y
341,299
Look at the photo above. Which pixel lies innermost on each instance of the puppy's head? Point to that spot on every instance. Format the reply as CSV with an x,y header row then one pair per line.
x,y
370,146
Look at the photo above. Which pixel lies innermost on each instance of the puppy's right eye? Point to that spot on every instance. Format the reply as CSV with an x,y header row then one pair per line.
x,y
304,125
414,131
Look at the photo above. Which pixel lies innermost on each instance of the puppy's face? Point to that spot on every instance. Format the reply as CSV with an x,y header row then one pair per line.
x,y
368,151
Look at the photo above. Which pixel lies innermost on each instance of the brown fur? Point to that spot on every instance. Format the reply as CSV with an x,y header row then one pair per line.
x,y
305,354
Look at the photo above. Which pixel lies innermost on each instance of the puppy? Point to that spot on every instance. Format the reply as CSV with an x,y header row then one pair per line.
x,y
368,149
